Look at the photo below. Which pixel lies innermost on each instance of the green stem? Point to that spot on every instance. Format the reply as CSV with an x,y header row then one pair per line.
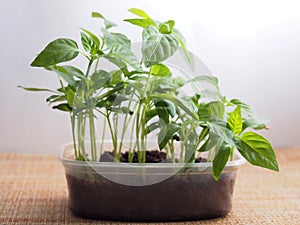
x,y
92,135
112,133
141,123
89,67
80,135
126,123
103,136
72,117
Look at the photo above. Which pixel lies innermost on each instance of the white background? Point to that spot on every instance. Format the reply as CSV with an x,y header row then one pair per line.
x,y
252,46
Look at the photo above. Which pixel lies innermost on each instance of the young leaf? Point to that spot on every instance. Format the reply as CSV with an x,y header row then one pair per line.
x,y
141,22
160,70
167,27
157,47
55,98
243,105
220,160
254,123
60,50
63,107
166,133
37,89
258,151
235,121
139,12
89,44
94,41
97,15
108,24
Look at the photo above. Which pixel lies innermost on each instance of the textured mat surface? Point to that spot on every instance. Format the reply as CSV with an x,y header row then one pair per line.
x,y
33,191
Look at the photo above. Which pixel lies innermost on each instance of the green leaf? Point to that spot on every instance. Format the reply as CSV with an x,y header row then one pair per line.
x,y
75,72
217,109
117,77
152,127
70,96
113,40
219,128
166,133
160,70
94,41
150,114
64,74
167,27
165,109
55,98
210,111
108,24
89,44
220,160
254,123
37,89
187,55
119,46
258,151
127,56
157,47
243,105
206,79
118,62
60,50
141,22
235,120
139,12
211,142
100,78
177,102
63,107
97,15
203,133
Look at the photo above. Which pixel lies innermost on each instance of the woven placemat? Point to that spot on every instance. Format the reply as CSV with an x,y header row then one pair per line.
x,y
33,191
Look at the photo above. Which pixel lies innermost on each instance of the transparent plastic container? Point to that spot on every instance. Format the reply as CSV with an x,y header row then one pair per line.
x,y
148,192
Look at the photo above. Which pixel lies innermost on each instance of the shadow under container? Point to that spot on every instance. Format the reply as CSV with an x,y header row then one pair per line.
x,y
148,192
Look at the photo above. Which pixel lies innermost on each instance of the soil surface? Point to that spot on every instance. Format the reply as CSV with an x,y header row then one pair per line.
x,y
152,156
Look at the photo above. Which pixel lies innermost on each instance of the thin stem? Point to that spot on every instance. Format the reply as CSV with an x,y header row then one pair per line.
x,y
141,123
126,123
72,117
112,133
103,136
89,67
80,134
92,135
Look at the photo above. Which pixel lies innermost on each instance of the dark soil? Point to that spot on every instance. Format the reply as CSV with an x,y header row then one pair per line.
x,y
182,197
153,156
